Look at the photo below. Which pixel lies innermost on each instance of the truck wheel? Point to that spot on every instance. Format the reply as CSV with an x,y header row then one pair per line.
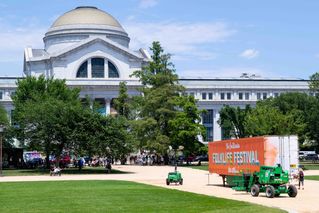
x,y
167,182
292,191
254,190
181,182
270,191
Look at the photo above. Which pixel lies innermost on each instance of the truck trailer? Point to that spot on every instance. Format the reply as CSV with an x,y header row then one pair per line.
x,y
232,159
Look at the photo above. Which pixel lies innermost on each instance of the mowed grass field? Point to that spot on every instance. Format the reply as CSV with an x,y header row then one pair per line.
x,y
67,171
312,177
111,196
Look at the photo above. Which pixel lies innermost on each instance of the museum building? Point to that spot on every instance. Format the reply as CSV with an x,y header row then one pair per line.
x,y
90,49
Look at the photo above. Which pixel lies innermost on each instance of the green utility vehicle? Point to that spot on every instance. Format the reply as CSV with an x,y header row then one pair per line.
x,y
174,177
271,180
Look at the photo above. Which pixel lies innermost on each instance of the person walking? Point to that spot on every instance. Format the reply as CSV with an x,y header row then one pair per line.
x,y
301,178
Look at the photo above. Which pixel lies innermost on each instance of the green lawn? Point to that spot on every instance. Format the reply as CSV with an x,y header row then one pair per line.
x,y
68,171
312,177
310,166
111,196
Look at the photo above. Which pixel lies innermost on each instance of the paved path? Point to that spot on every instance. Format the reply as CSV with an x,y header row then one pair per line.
x,y
197,181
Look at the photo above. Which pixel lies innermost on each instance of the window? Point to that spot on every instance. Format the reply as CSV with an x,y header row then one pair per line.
x,y
258,96
204,95
276,94
97,67
240,96
1,95
246,95
264,95
113,73
222,96
208,117
228,95
192,94
83,71
210,96
209,134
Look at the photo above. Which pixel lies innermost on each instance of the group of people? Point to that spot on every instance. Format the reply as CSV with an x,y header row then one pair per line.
x,y
147,159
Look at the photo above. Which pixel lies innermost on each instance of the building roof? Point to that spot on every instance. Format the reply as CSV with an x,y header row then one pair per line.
x,y
86,15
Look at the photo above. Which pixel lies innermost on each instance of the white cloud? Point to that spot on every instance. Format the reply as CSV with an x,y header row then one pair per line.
x,y
144,4
249,54
183,40
12,43
225,72
13,40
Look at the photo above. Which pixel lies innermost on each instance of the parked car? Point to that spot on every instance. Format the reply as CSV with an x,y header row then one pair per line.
x,y
201,158
64,161
312,157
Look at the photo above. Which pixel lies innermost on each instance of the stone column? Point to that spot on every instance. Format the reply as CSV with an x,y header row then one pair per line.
x,y
106,68
216,128
89,68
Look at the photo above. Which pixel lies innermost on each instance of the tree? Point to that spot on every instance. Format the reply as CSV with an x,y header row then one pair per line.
x,y
46,111
3,116
314,82
122,102
125,143
157,106
185,126
4,121
265,120
232,121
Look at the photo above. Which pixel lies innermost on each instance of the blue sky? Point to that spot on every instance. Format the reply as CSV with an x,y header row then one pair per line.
x,y
207,38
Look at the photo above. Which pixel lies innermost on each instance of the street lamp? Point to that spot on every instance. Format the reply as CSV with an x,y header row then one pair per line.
x,y
2,128
175,149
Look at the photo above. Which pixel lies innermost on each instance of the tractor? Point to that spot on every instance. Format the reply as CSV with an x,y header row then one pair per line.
x,y
272,180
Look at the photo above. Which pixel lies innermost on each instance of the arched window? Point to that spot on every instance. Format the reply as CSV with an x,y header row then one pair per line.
x,y
113,73
83,71
97,67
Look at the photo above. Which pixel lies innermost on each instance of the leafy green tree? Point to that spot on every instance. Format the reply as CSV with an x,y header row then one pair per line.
x,y
122,102
185,125
4,122
126,142
314,82
157,106
265,120
312,125
3,116
45,110
232,121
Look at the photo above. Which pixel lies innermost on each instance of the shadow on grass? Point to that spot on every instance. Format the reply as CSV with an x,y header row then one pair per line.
x,y
67,171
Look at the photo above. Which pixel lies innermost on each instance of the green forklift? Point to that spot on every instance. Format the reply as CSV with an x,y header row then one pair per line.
x,y
272,180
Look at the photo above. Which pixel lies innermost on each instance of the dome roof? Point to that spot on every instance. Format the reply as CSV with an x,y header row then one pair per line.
x,y
86,16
